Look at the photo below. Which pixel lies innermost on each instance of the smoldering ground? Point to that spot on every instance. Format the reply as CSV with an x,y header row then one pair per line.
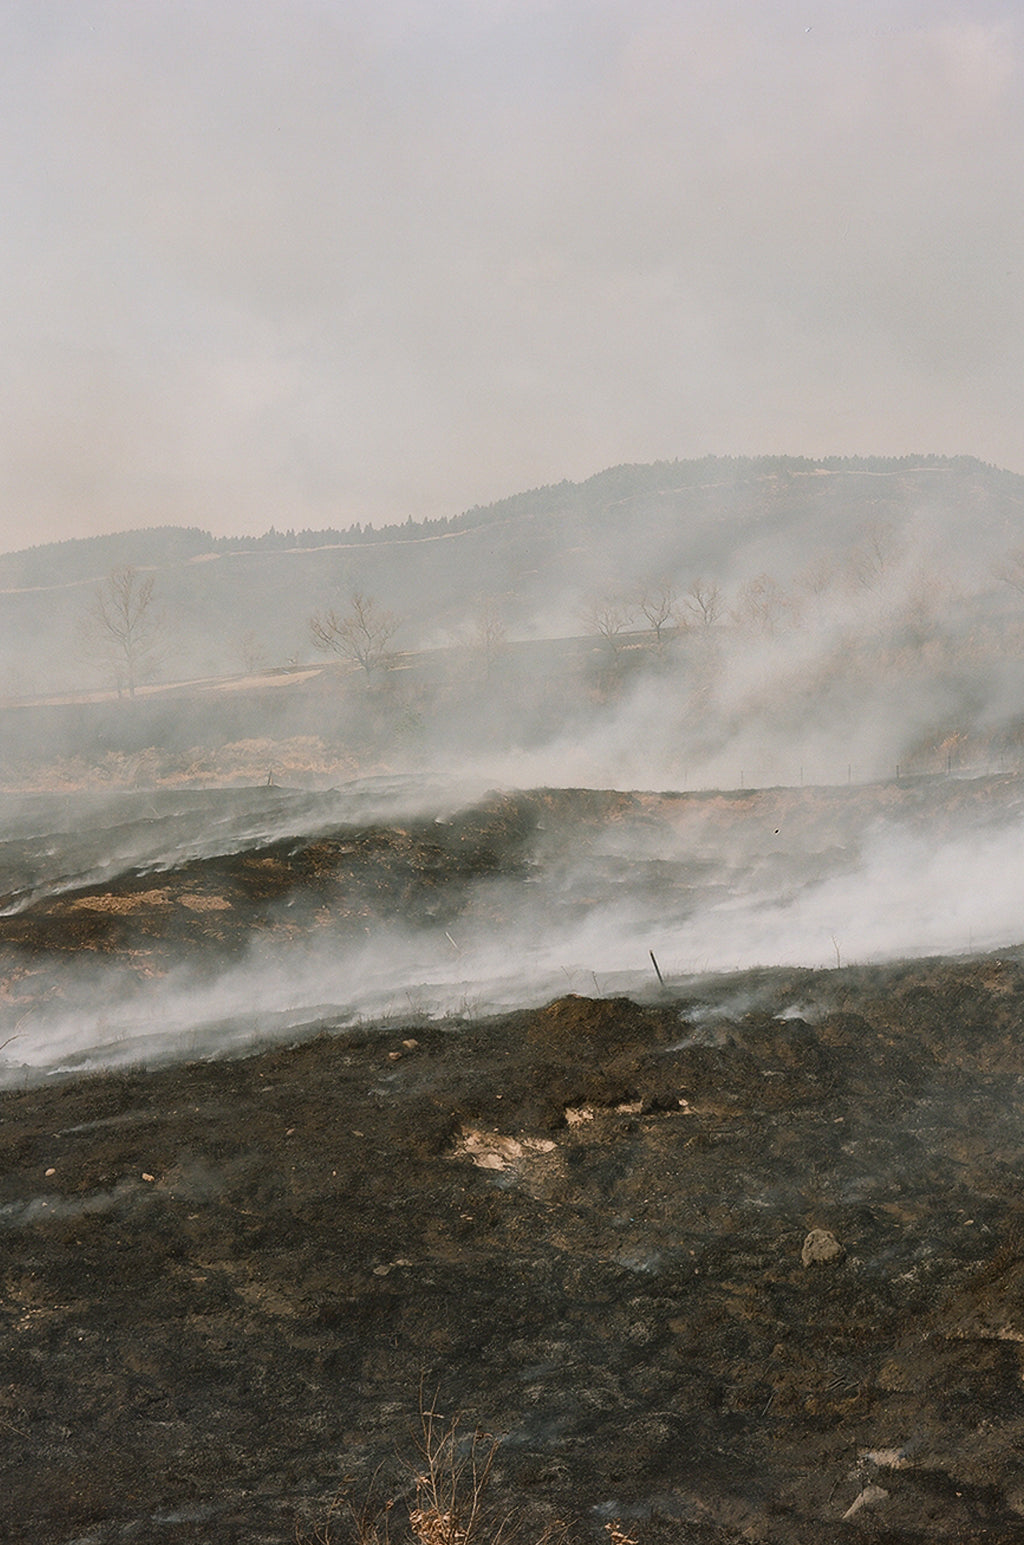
x,y
276,917
228,1285
854,677
317,1170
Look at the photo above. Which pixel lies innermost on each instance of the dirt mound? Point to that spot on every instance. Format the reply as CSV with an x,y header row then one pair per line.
x,y
579,1029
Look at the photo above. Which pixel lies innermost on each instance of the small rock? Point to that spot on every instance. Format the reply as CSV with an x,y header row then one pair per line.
x,y
871,1496
821,1248
411,1044
484,1145
1015,1501
885,1458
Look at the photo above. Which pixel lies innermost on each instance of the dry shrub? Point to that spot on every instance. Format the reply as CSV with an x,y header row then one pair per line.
x,y
451,1478
342,1521
451,1481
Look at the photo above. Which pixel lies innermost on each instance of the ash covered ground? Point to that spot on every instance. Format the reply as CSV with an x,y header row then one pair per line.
x,y
255,1210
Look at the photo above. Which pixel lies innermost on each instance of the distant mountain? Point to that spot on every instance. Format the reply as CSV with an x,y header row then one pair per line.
x,y
540,560
76,560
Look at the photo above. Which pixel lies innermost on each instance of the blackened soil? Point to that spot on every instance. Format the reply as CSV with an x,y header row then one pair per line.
x,y
227,1287
419,871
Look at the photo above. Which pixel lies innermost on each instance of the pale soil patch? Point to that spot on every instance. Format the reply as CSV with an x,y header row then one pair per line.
x,y
492,1150
158,898
263,679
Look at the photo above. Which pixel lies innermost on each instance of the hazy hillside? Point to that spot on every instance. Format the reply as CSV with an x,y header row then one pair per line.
x,y
542,556
834,618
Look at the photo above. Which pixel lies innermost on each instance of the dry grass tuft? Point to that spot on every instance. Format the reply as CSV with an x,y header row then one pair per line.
x,y
451,1479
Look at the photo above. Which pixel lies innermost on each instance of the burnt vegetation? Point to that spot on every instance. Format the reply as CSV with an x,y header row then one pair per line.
x,y
385,1162
225,1283
582,1228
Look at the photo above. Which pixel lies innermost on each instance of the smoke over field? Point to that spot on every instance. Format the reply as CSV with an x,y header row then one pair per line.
x,y
686,625
544,966
593,990
165,924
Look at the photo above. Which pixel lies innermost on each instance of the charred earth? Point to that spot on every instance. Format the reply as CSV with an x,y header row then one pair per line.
x,y
737,1259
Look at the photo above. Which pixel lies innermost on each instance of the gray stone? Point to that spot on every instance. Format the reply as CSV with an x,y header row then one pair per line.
x,y
821,1248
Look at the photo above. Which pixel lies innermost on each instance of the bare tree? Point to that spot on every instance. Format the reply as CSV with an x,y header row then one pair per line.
x,y
704,601
869,563
611,620
762,604
488,637
362,635
251,651
121,627
819,577
659,605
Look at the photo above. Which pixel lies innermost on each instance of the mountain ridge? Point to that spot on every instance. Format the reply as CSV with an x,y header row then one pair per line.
x,y
186,543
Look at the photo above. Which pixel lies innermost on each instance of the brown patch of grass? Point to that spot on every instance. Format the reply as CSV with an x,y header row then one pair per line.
x,y
109,903
452,1504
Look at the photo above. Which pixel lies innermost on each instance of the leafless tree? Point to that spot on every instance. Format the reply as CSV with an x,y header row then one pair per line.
x,y
121,628
819,577
873,558
362,635
610,619
658,604
488,636
251,651
762,604
704,601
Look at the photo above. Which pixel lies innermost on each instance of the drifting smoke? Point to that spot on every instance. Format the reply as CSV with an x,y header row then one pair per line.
x,y
854,664
709,885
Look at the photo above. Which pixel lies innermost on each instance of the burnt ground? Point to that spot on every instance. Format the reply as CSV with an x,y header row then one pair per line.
x,y
227,1287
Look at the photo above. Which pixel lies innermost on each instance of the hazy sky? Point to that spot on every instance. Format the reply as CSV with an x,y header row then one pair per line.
x,y
304,262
